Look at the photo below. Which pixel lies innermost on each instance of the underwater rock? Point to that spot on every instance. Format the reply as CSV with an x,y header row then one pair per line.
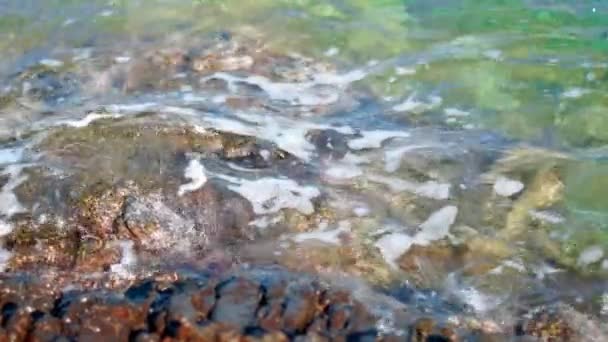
x,y
44,85
156,223
547,325
259,304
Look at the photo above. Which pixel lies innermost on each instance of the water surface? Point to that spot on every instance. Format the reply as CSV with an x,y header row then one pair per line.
x,y
452,147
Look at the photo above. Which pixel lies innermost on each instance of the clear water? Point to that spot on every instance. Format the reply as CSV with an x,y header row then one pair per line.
x,y
481,124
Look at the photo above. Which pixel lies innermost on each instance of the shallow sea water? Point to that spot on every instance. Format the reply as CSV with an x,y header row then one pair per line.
x,y
452,154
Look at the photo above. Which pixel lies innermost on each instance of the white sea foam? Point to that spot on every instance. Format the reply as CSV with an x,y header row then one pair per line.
x,y
90,118
128,260
9,204
604,309
355,159
393,246
456,113
544,269
478,300
10,155
403,71
429,189
132,108
393,157
435,228
590,255
327,236
288,134
195,171
414,106
493,54
361,210
270,195
5,257
122,59
547,216
575,93
507,187
340,171
5,228
266,221
332,51
299,94
51,63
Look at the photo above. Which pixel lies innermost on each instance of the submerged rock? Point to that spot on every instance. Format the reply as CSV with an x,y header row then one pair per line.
x,y
152,152
167,225
261,304
547,326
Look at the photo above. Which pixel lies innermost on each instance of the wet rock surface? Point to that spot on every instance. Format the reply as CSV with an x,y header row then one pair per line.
x,y
264,304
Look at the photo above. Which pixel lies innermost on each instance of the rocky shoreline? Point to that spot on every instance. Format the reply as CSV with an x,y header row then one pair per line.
x,y
254,303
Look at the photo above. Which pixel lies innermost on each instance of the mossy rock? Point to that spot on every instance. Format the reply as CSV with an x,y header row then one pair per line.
x,y
151,154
